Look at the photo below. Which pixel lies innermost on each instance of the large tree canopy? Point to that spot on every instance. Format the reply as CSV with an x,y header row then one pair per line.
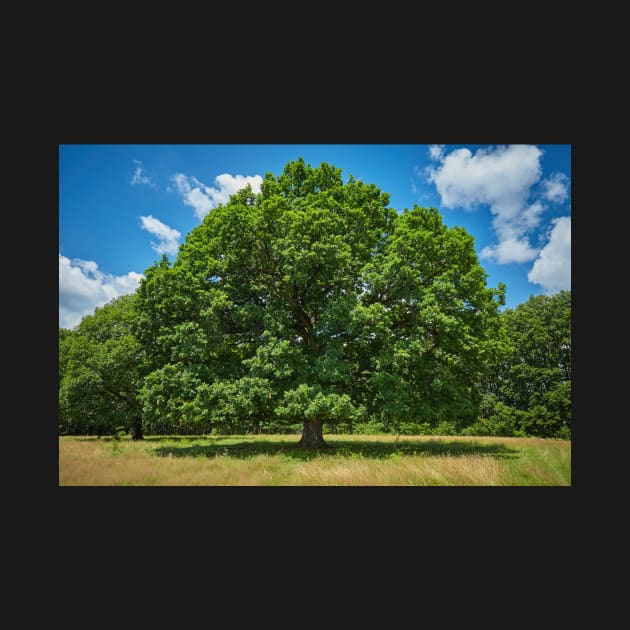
x,y
315,302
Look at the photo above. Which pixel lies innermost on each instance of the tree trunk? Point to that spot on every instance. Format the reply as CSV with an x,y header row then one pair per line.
x,y
136,430
312,437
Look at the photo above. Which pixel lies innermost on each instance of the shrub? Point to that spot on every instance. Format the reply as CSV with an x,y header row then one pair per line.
x,y
372,427
415,428
563,433
444,427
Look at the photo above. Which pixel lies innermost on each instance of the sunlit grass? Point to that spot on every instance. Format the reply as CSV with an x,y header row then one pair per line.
x,y
352,460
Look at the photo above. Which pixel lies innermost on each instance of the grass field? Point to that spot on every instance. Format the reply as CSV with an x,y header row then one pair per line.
x,y
350,460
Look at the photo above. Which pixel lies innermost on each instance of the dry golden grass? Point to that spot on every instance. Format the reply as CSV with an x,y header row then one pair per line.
x,y
356,461
406,471
93,464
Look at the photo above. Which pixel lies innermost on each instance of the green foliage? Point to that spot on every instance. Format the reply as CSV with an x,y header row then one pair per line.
x,y
116,448
415,428
169,397
445,427
101,366
308,402
335,306
531,383
372,427
441,322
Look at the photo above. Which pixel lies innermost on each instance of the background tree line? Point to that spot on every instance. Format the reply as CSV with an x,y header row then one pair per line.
x,y
312,304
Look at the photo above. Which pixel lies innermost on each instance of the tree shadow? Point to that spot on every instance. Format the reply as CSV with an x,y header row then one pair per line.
x,y
372,449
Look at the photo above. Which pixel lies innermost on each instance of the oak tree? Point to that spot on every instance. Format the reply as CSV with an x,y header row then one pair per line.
x,y
315,302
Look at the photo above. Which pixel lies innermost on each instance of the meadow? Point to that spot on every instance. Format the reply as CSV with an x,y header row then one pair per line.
x,y
349,460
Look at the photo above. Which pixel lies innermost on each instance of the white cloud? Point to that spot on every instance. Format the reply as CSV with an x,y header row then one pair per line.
x,y
509,251
530,217
168,237
500,177
140,177
552,269
204,198
82,287
555,187
436,151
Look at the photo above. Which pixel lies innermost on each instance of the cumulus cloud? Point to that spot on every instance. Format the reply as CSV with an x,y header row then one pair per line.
x,y
168,237
552,269
203,198
140,177
555,187
500,177
509,251
82,287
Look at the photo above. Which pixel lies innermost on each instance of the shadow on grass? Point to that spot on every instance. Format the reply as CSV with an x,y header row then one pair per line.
x,y
369,449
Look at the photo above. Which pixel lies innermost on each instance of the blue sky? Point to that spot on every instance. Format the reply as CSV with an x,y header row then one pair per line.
x,y
122,206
